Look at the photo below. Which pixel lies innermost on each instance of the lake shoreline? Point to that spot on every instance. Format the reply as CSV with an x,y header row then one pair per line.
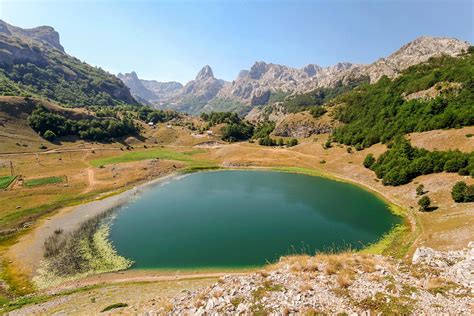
x,y
89,209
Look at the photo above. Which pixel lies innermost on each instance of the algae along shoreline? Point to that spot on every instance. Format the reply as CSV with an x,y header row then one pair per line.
x,y
87,250
84,252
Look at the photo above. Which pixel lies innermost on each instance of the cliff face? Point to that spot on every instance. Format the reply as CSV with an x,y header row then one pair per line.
x,y
46,69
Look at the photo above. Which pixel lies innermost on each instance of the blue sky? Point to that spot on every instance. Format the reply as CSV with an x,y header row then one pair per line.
x,y
172,40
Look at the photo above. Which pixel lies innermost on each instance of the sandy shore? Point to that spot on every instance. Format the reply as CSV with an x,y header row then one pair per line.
x,y
28,251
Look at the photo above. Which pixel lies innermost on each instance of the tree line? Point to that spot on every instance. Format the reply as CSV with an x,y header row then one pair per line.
x,y
401,162
52,125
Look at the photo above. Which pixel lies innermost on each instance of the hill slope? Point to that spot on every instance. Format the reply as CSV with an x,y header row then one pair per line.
x,y
34,62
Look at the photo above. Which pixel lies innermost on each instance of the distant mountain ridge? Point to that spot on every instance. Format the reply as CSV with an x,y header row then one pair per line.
x,y
255,86
149,90
33,61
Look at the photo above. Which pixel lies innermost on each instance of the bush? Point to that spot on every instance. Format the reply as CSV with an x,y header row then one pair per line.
x,y
420,190
113,306
317,111
237,131
369,160
263,129
461,192
266,141
49,135
327,144
292,142
424,203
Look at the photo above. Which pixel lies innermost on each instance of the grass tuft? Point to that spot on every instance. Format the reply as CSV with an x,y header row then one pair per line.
x,y
114,306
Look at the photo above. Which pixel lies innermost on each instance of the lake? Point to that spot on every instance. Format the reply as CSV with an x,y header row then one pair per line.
x,y
231,219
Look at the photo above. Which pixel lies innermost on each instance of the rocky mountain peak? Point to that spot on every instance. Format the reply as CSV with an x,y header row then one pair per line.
x,y
413,53
44,34
4,28
242,74
311,69
258,69
205,73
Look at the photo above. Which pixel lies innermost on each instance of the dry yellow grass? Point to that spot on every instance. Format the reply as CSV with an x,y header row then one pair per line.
x,y
445,139
345,278
449,227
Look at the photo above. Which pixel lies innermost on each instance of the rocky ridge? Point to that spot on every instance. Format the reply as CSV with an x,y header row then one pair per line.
x,y
45,35
254,87
412,53
39,50
433,283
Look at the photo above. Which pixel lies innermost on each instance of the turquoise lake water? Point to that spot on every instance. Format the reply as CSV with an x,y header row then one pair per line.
x,y
230,219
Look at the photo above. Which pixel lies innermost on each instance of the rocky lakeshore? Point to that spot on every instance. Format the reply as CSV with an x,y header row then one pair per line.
x,y
432,283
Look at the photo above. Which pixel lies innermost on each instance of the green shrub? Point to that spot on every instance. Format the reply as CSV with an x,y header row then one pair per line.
x,y
424,203
461,192
369,160
114,306
327,144
263,129
266,141
237,131
49,135
420,190
292,142
317,111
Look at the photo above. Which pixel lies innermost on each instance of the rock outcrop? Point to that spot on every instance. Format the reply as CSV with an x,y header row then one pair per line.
x,y
43,34
301,124
436,283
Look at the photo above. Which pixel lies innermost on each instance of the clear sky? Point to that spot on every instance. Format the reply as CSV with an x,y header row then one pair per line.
x,y
172,40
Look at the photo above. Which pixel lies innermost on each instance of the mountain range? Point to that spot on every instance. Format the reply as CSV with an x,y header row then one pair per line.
x,y
33,62
257,85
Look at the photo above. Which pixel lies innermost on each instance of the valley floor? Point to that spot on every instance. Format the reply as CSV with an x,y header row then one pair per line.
x,y
96,171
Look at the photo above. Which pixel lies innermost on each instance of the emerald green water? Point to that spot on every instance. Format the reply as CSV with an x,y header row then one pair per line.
x,y
245,218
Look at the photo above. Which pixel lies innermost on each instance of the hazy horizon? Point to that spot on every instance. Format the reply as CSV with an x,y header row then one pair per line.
x,y
173,40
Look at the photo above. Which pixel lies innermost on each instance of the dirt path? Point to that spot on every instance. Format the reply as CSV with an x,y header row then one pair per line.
x,y
137,276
